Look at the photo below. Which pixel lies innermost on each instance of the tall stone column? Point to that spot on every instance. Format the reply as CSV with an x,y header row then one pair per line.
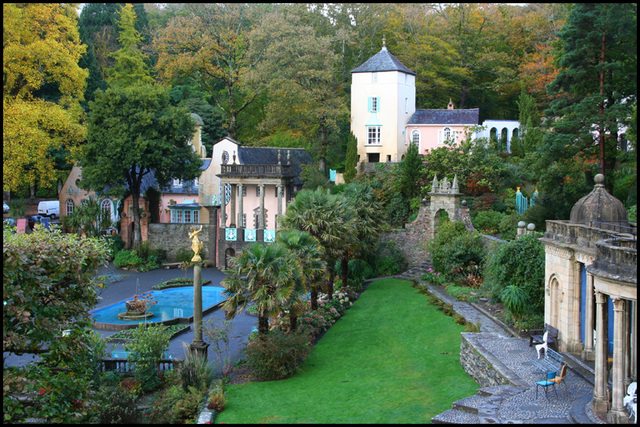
x,y
601,403
617,414
261,224
240,207
233,206
213,235
280,189
588,352
223,205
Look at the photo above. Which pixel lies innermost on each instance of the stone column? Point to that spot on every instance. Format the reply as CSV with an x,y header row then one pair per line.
x,y
223,205
233,206
617,414
601,403
213,235
261,224
240,207
198,347
588,352
280,189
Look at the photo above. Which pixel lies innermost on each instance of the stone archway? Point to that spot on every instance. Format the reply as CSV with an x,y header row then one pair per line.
x,y
445,196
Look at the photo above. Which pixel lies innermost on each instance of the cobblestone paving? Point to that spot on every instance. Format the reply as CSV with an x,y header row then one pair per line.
x,y
516,354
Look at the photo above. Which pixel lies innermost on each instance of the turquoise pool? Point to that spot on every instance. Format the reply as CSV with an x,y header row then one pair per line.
x,y
174,305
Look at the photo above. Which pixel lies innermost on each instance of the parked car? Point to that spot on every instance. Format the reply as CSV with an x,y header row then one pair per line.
x,y
5,207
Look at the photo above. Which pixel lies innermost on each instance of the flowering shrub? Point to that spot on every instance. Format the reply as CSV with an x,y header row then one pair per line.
x,y
434,277
313,323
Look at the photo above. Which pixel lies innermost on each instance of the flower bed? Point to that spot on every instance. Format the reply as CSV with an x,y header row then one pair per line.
x,y
315,322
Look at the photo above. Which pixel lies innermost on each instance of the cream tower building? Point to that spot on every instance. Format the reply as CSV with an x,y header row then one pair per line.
x,y
383,98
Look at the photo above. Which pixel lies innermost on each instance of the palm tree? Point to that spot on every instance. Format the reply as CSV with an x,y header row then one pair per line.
x,y
306,249
325,217
263,274
365,226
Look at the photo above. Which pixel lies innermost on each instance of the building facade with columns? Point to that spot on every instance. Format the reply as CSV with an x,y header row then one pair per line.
x,y
591,293
250,187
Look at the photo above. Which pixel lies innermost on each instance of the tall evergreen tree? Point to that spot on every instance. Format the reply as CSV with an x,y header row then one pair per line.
x,y
351,161
130,67
596,83
410,172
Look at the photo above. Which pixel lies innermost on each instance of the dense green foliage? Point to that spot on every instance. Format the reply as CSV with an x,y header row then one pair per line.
x,y
456,251
47,289
278,356
521,264
145,351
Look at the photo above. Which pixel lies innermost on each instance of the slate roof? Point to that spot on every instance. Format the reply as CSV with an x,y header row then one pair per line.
x,y
445,117
382,61
269,156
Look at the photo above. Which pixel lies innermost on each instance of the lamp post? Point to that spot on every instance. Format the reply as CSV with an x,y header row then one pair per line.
x,y
198,347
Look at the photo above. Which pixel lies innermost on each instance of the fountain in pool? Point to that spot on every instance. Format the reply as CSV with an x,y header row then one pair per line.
x,y
173,306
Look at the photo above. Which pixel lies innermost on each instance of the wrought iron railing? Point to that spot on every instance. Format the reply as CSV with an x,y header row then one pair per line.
x,y
123,366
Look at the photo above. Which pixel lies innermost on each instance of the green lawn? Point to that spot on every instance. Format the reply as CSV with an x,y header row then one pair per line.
x,y
390,359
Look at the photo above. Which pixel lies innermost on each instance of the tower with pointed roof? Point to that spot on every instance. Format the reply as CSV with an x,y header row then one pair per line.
x,y
383,98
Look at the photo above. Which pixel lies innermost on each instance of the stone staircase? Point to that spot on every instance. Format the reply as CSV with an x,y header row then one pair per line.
x,y
481,408
417,271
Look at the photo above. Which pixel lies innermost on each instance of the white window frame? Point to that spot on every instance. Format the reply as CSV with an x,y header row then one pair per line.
x,y
374,135
442,135
415,137
70,206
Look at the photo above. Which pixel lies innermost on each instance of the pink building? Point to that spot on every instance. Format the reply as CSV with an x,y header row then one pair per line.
x,y
431,129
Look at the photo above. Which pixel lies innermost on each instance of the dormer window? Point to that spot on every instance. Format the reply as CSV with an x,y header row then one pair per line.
x,y
176,183
225,158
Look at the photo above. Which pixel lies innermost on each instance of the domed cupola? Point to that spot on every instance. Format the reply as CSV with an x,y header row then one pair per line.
x,y
599,207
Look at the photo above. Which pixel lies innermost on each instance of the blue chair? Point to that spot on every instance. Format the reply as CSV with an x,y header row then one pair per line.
x,y
546,383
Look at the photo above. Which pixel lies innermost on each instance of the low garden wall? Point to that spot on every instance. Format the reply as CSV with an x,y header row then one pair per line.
x,y
481,365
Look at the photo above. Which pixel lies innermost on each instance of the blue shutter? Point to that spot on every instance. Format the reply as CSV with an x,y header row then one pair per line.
x,y
378,103
369,104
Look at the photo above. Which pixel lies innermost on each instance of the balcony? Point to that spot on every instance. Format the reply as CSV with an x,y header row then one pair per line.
x,y
256,171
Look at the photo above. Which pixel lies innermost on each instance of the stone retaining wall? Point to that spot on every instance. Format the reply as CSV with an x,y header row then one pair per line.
x,y
480,365
172,237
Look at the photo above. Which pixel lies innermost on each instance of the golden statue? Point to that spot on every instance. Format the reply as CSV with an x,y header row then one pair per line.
x,y
196,244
